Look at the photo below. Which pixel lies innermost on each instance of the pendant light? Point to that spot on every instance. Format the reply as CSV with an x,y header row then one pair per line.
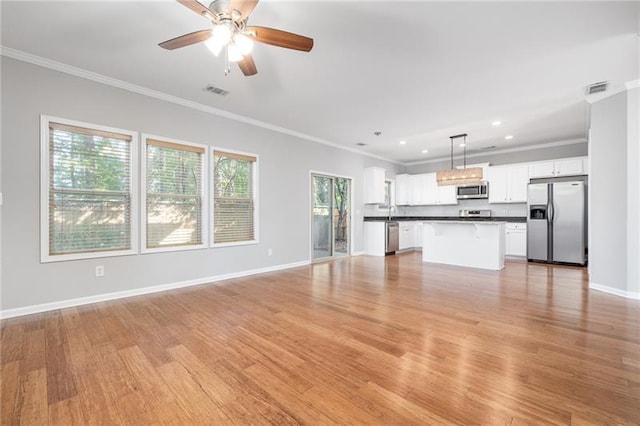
x,y
462,176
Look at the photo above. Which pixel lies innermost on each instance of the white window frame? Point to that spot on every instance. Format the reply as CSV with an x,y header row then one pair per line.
x,y
143,196
256,204
45,257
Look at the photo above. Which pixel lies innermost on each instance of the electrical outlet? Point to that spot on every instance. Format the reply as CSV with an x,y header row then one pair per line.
x,y
100,271
269,252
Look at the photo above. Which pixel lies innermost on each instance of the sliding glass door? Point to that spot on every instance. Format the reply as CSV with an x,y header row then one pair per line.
x,y
331,216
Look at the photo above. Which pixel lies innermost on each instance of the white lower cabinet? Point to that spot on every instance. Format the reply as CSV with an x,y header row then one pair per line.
x,y
419,235
407,237
516,239
374,238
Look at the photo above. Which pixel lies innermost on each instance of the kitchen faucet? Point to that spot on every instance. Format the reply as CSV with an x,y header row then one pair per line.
x,y
390,208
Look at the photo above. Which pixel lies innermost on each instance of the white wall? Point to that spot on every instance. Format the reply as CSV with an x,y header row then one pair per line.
x,y
633,190
608,190
284,164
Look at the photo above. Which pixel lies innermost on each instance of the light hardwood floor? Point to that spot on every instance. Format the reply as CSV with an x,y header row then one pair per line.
x,y
360,340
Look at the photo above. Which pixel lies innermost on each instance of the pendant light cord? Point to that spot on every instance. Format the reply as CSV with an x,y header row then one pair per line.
x,y
464,164
451,137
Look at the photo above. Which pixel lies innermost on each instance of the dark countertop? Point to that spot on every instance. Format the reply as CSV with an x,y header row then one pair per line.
x,y
521,219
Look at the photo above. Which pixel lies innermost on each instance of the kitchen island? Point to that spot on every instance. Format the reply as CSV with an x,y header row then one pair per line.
x,y
476,244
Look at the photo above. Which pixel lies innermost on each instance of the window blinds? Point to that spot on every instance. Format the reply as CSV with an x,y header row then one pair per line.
x,y
89,190
233,198
173,194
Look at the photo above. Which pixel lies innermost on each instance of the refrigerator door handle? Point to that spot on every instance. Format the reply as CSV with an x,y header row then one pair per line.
x,y
551,212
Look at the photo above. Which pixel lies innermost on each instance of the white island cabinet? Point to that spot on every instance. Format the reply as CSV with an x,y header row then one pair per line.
x,y
475,244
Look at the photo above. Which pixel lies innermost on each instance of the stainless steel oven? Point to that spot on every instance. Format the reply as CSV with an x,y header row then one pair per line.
x,y
478,190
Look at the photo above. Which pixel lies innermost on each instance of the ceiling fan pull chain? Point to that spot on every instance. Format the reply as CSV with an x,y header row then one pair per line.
x,y
227,67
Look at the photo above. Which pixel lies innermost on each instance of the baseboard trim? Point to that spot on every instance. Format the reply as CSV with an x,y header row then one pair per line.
x,y
615,291
52,306
359,253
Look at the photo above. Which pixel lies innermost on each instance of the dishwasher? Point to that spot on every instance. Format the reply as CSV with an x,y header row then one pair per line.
x,y
392,235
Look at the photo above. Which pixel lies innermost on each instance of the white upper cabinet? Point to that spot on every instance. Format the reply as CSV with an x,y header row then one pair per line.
x,y
517,183
426,191
497,178
508,184
404,190
537,170
569,167
446,194
566,167
422,190
374,185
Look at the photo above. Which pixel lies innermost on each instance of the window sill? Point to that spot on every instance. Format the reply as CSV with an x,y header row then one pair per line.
x,y
46,258
238,243
170,249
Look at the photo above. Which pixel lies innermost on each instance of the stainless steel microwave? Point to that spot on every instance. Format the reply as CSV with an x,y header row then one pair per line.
x,y
478,190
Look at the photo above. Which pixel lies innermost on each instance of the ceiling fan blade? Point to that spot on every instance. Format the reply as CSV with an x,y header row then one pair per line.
x,y
196,7
186,40
245,7
280,38
247,66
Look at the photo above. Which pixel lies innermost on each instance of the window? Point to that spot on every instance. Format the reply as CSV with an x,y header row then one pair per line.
x,y
173,195
87,180
388,195
234,198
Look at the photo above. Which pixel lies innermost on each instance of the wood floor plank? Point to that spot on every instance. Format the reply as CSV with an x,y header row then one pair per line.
x,y
361,340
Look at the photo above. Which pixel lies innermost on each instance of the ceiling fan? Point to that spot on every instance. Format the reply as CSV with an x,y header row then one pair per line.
x,y
231,35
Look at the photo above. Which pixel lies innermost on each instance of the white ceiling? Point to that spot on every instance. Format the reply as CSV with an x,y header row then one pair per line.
x,y
416,71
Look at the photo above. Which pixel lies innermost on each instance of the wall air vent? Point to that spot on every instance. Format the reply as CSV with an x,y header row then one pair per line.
x,y
597,87
216,90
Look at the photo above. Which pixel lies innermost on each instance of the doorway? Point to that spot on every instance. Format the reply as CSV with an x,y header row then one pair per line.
x,y
330,216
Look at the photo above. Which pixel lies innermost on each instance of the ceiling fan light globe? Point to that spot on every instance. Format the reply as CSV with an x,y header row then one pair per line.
x,y
222,33
234,53
243,43
214,46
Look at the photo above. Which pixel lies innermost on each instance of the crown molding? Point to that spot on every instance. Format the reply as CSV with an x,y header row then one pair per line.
x,y
633,84
502,151
134,88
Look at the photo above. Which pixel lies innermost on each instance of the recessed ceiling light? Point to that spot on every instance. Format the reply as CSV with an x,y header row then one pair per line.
x,y
462,145
424,151
496,123
508,137
403,142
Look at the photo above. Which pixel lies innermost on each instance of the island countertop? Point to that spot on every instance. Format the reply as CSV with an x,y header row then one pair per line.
x,y
518,219
468,221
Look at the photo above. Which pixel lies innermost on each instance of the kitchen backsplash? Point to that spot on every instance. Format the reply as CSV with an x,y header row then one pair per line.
x,y
497,210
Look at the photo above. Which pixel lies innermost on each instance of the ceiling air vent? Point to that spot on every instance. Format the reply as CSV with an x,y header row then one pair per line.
x,y
216,90
597,87
489,147
361,144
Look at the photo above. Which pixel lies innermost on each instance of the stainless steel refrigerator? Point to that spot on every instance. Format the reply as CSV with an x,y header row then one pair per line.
x,y
556,224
